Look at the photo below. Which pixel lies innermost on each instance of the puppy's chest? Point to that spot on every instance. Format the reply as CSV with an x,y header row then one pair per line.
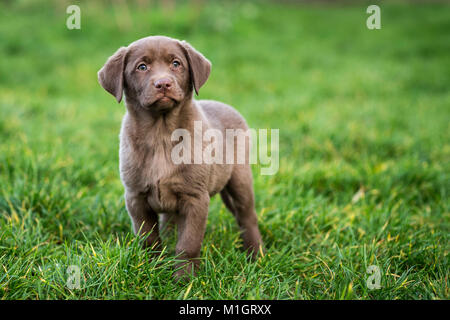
x,y
148,169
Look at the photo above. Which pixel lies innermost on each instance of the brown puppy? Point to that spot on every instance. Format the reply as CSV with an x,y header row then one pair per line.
x,y
158,76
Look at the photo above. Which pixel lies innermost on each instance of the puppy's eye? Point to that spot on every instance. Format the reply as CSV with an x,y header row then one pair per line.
x,y
142,67
176,63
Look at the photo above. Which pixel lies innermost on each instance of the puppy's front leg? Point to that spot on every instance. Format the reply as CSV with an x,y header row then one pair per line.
x,y
144,219
191,223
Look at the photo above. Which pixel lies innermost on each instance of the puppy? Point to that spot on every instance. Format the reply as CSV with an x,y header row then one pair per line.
x,y
158,76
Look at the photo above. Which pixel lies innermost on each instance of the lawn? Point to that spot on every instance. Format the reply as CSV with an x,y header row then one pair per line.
x,y
364,151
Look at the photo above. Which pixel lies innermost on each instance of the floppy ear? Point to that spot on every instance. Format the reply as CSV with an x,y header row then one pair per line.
x,y
199,66
110,75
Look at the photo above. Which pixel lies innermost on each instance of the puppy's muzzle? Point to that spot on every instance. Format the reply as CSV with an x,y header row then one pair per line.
x,y
163,84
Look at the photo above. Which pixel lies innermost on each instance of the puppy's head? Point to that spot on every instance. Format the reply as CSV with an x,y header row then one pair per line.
x,y
157,73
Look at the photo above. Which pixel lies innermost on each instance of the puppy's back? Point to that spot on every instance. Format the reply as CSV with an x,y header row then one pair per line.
x,y
222,116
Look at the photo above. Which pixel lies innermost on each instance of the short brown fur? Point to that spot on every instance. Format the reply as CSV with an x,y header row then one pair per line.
x,y
160,100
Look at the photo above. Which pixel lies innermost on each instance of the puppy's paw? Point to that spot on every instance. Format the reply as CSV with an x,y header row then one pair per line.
x,y
255,251
185,272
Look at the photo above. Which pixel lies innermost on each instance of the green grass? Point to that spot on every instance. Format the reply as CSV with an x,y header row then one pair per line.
x,y
364,151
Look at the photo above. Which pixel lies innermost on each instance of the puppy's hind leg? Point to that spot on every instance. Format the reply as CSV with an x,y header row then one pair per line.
x,y
239,199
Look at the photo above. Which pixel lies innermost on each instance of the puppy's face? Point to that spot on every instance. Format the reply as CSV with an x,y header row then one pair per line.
x,y
156,73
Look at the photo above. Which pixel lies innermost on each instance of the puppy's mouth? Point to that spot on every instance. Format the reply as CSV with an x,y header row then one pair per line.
x,y
165,99
162,101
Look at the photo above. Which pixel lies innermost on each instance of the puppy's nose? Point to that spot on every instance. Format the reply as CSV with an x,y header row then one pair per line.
x,y
162,84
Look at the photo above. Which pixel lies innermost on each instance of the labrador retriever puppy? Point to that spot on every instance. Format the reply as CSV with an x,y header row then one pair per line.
x,y
158,76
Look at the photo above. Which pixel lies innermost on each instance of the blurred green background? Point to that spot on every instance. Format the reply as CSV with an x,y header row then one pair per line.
x,y
364,149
